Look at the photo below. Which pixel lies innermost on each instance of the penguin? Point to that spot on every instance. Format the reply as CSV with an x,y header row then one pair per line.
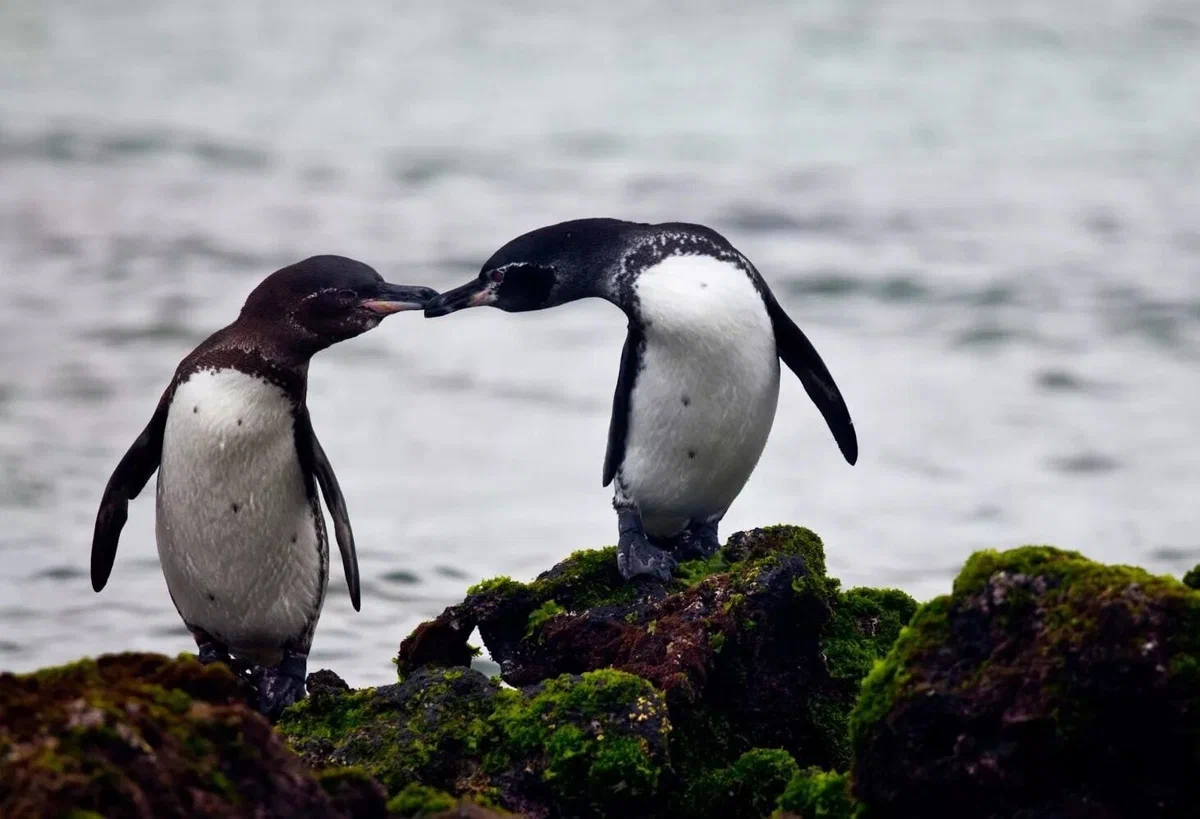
x,y
241,537
699,376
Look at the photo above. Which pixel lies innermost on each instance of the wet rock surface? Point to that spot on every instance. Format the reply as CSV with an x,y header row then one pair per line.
x,y
756,651
1045,685
144,736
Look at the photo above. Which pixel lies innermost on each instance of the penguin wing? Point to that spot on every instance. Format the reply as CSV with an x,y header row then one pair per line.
x,y
618,425
337,507
128,479
801,357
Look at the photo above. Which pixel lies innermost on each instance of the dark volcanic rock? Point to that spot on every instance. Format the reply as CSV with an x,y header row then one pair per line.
x,y
141,735
1046,686
755,648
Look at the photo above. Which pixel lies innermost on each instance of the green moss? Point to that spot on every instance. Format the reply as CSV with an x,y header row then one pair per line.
x,y
691,572
84,814
798,540
586,579
928,629
173,731
502,585
541,614
829,716
747,789
1075,600
865,624
598,739
734,602
173,700
571,722
399,734
1192,578
327,717
817,794
418,800
1028,560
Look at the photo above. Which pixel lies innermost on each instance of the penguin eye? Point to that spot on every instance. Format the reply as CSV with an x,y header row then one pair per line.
x,y
346,296
496,276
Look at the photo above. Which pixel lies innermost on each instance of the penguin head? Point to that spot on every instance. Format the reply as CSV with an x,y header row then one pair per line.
x,y
543,268
326,299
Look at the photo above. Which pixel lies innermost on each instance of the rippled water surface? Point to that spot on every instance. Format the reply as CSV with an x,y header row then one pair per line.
x,y
986,215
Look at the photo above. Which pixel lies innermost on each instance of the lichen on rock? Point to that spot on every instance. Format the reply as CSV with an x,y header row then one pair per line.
x,y
1045,684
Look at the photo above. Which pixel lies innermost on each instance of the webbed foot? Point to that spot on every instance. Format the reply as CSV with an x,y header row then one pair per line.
x,y
698,541
636,555
281,686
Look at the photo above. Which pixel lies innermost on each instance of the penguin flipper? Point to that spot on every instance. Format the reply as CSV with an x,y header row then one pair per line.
x,y
801,357
341,518
127,481
618,425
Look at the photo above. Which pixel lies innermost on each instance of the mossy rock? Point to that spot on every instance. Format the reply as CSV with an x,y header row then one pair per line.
x,y
594,744
753,647
1044,685
816,794
747,789
142,735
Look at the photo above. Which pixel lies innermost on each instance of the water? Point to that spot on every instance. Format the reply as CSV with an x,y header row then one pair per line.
x,y
987,216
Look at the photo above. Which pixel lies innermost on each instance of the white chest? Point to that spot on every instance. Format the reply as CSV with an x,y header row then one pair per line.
x,y
241,549
704,402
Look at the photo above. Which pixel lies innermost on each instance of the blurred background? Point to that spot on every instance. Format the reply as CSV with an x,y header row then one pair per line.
x,y
986,216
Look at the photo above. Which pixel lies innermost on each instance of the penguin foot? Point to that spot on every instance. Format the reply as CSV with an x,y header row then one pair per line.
x,y
213,653
281,686
697,542
636,555
216,653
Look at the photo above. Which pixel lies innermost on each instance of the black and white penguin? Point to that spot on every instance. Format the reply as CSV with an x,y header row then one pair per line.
x,y
240,533
699,378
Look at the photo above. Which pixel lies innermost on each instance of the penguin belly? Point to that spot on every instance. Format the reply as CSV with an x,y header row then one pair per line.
x,y
241,543
704,399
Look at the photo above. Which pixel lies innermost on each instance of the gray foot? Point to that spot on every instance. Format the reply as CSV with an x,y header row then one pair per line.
x,y
213,653
282,686
635,554
698,541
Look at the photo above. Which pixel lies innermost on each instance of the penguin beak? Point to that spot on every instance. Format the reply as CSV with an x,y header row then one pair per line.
x,y
475,293
393,298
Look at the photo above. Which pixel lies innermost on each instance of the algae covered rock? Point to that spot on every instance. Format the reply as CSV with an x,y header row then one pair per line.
x,y
747,789
141,735
593,744
1045,685
816,793
756,650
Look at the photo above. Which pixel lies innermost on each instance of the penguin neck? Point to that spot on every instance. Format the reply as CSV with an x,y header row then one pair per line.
x,y
261,354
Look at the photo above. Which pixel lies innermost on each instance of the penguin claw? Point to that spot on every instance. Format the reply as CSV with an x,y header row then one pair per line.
x,y
637,556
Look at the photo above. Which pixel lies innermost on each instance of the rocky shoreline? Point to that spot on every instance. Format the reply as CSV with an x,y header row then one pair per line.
x,y
1044,685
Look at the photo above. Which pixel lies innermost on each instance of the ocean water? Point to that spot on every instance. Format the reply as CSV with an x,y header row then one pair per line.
x,y
985,215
